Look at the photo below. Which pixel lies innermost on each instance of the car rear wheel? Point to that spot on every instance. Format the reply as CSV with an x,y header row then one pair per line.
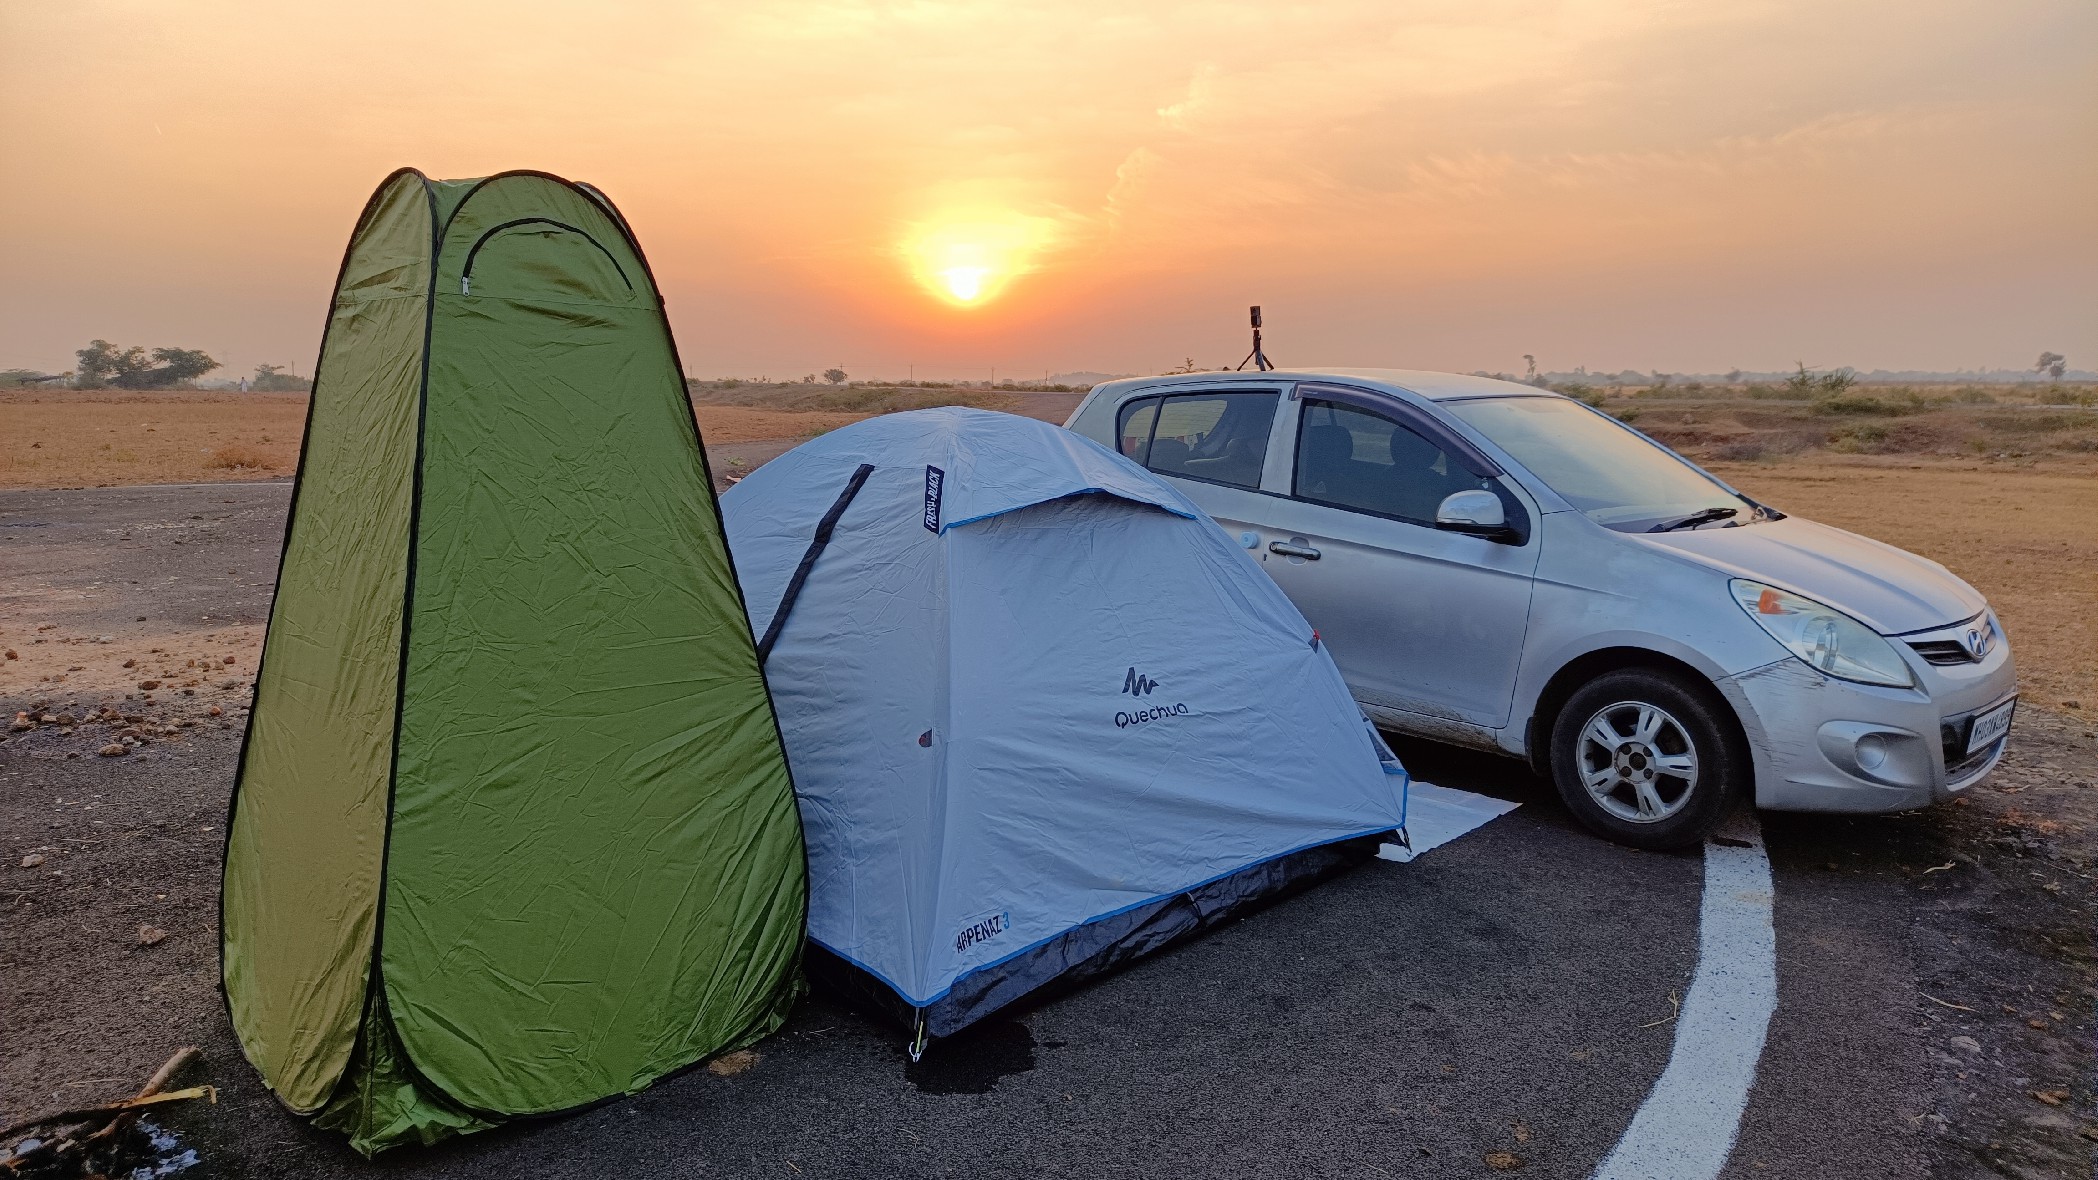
x,y
1647,758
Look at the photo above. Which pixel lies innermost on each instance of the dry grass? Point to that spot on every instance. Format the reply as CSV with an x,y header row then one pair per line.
x,y
2004,422
2026,536
728,424
237,458
82,438
864,397
69,439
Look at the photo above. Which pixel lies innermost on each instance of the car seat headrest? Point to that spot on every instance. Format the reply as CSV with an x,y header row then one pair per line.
x,y
1327,445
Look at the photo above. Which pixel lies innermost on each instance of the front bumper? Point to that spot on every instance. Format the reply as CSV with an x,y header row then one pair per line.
x,y
1822,744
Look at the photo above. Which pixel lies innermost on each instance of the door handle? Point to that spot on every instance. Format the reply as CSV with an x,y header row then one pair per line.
x,y
1288,550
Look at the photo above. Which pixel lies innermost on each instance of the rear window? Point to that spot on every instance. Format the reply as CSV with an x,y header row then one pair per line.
x,y
1214,437
1138,417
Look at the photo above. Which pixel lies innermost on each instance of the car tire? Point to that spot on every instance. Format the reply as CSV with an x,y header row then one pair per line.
x,y
1648,758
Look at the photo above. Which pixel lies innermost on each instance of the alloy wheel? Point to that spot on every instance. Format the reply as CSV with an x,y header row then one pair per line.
x,y
1638,762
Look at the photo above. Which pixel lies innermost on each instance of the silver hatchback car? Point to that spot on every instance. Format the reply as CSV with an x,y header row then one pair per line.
x,y
1500,567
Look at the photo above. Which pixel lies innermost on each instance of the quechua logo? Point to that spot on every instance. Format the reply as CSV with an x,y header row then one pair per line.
x,y
1136,684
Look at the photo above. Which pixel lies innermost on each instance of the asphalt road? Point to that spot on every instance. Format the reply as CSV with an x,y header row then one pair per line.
x,y
1502,1004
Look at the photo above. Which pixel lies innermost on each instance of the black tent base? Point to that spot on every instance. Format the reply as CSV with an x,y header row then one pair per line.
x,y
1087,952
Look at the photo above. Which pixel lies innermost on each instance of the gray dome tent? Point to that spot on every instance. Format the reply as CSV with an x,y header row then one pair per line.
x,y
1044,715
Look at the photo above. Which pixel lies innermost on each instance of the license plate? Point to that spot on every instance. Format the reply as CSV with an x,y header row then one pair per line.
x,y
1989,727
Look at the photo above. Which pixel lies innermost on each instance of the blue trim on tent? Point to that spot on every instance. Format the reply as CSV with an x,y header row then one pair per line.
x,y
1405,788
1127,499
1251,864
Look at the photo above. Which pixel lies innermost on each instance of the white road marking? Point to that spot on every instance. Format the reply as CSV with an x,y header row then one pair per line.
x,y
1686,1127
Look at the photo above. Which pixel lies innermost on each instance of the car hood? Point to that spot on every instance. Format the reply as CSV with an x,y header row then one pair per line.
x,y
1890,590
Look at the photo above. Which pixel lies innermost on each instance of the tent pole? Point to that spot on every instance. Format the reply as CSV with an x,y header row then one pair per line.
x,y
808,559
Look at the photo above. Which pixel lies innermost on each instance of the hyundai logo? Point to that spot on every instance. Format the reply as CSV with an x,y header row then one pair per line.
x,y
1978,641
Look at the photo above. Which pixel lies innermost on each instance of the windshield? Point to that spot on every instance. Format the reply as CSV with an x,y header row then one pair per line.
x,y
1614,476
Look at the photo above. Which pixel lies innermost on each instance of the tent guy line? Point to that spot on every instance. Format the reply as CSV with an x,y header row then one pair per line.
x,y
1685,1129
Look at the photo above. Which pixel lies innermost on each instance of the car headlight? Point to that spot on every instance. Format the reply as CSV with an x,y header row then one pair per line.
x,y
1826,638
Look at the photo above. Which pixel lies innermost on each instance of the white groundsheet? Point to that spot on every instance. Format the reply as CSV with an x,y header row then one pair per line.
x,y
1437,815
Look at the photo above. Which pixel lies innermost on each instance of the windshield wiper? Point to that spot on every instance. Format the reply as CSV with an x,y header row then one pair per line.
x,y
1701,516
1764,511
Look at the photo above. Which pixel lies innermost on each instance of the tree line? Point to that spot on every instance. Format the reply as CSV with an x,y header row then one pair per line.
x,y
102,365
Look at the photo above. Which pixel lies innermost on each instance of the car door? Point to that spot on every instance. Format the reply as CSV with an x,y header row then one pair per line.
x,y
1212,444
1421,620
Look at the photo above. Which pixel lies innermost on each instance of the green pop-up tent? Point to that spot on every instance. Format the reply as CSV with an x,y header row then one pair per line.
x,y
512,830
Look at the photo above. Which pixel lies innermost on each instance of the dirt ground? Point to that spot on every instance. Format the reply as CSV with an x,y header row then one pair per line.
x,y
1953,945
91,438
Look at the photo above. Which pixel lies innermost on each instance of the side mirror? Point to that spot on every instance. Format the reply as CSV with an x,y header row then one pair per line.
x,y
1475,511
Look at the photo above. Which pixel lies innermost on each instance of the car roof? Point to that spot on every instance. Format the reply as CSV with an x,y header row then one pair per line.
x,y
1419,382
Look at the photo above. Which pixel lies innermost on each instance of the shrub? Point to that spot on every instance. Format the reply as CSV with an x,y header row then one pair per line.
x,y
1863,405
1863,437
235,457
1805,384
273,379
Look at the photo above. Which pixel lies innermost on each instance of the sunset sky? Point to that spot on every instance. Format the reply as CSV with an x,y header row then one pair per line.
x,y
1042,187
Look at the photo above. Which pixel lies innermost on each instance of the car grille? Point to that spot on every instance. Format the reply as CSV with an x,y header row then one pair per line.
x,y
1942,651
1969,763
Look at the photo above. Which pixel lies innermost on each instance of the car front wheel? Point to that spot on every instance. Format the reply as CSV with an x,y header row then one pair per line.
x,y
1647,758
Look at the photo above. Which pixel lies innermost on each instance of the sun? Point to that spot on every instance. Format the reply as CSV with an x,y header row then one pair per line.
x,y
965,283
966,258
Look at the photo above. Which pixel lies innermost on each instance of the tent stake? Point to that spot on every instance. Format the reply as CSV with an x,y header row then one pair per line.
x,y
916,1048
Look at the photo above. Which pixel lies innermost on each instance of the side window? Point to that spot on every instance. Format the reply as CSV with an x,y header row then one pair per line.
x,y
1134,437
1217,437
1351,458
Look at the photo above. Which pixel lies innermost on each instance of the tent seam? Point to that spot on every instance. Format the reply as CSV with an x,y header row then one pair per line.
x,y
291,516
375,980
